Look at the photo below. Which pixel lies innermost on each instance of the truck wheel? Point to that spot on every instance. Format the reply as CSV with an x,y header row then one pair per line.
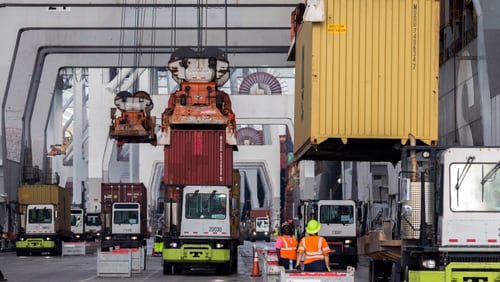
x,y
371,272
58,248
177,269
167,268
234,261
223,269
396,271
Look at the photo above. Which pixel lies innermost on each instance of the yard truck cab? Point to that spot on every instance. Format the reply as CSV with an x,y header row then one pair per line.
x,y
447,227
45,219
205,233
124,207
260,225
78,223
339,227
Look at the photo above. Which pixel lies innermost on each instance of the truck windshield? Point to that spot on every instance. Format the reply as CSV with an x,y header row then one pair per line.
x,y
479,190
126,217
336,214
76,220
40,216
206,205
93,220
262,223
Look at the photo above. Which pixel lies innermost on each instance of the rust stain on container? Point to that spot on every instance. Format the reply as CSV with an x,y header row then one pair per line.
x,y
198,157
366,78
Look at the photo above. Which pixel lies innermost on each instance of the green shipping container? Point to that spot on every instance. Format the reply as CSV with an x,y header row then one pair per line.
x,y
366,78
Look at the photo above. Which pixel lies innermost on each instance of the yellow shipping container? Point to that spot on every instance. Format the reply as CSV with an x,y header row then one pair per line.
x,y
366,78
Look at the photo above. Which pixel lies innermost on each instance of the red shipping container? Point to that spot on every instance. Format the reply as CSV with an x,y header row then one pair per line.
x,y
198,157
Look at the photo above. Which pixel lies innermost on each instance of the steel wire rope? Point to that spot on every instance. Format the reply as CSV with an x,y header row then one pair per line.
x,y
173,25
173,36
199,22
121,44
140,20
206,23
225,29
152,68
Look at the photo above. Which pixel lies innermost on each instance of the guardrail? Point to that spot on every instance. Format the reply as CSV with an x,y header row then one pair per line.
x,y
74,248
121,262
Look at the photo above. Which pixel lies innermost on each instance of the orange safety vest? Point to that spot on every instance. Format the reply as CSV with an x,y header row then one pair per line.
x,y
314,247
289,249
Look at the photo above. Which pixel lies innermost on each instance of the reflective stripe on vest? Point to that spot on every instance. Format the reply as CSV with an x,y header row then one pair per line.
x,y
289,250
313,254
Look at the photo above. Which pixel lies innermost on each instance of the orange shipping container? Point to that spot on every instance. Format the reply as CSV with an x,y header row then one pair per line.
x,y
366,78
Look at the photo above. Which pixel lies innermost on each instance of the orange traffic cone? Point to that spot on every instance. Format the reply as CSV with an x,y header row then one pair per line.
x,y
255,269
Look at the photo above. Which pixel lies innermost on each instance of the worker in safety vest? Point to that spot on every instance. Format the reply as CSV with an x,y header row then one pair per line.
x,y
158,243
286,247
314,249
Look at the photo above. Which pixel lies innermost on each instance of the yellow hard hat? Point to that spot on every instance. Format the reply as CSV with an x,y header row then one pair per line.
x,y
313,226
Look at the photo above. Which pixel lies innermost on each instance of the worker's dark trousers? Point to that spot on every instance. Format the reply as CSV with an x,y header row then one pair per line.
x,y
286,262
315,266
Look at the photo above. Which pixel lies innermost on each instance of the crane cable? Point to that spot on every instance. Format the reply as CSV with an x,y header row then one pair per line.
x,y
153,47
121,45
140,20
173,25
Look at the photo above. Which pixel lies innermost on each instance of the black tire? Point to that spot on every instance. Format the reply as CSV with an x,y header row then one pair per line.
x,y
396,271
371,272
167,268
223,269
234,261
58,248
178,268
406,274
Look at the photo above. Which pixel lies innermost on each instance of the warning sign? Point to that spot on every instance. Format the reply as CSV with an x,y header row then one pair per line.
x,y
337,28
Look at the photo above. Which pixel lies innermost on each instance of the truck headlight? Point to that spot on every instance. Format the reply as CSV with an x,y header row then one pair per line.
x,y
348,242
219,245
429,264
134,237
173,244
107,238
254,233
77,236
47,239
265,233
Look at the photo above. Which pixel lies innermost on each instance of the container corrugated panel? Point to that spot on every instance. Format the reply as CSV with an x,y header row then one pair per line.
x,y
198,157
366,78
39,194
123,192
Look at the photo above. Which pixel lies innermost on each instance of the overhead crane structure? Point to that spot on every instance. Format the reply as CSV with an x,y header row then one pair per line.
x,y
43,38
